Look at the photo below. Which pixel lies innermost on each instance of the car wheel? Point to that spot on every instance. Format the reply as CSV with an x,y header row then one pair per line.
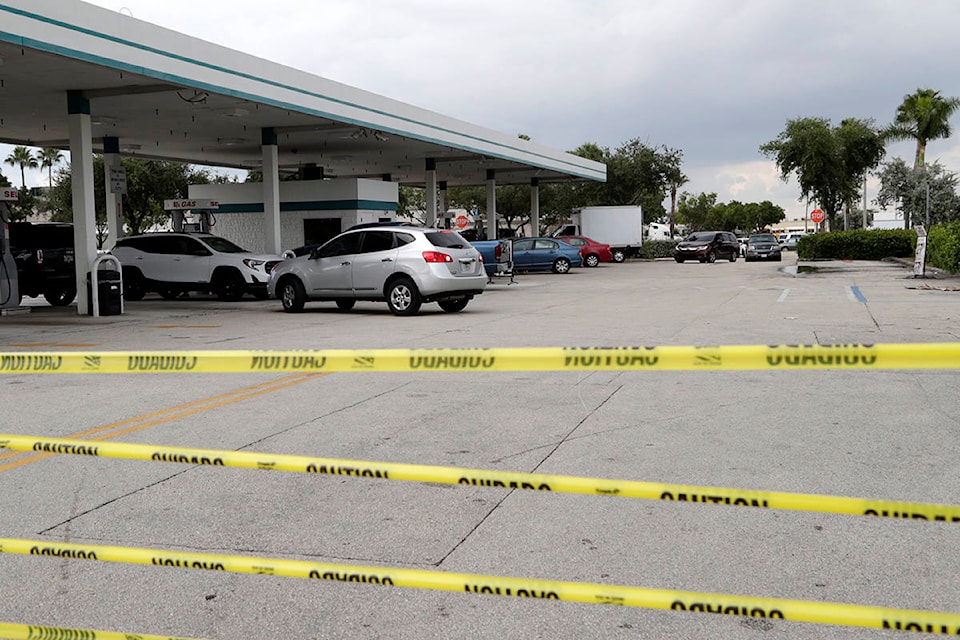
x,y
346,304
619,255
292,295
454,305
592,260
60,296
561,265
678,259
733,256
712,257
134,286
229,286
403,298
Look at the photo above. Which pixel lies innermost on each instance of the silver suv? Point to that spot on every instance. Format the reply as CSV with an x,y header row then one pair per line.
x,y
174,263
404,266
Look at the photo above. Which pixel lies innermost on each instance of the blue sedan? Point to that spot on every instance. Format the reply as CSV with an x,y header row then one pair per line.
x,y
544,254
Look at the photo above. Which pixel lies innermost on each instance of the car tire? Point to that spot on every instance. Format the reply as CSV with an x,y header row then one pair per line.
x,y
712,257
134,285
454,304
292,295
733,256
346,304
403,298
229,286
592,260
619,255
561,265
678,259
60,296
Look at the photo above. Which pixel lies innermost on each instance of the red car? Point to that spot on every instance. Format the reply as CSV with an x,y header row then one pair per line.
x,y
592,252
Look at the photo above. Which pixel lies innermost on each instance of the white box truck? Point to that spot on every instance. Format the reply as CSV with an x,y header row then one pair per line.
x,y
621,227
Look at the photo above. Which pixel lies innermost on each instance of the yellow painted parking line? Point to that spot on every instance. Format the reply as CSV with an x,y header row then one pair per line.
x,y
138,423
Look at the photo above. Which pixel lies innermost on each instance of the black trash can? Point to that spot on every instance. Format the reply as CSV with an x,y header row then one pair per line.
x,y
108,292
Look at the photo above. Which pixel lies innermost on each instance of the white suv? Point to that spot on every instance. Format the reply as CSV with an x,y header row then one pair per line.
x,y
173,263
404,266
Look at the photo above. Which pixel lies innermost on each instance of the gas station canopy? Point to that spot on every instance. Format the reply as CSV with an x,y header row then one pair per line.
x,y
161,94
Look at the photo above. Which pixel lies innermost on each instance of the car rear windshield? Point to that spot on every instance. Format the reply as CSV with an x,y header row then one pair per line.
x,y
446,238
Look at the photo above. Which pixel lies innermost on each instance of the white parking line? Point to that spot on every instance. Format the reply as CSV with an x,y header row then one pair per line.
x,y
783,296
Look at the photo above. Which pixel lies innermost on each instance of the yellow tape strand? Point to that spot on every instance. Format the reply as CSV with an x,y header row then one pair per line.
x,y
696,602
486,478
39,632
779,357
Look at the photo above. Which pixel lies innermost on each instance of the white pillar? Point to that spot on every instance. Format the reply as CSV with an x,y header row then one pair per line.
x,y
84,209
443,204
491,205
114,201
271,192
535,206
431,195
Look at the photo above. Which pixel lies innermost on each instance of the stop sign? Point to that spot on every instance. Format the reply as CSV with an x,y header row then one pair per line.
x,y
461,221
816,215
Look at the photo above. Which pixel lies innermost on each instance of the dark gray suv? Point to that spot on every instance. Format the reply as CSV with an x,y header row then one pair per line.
x,y
44,254
707,246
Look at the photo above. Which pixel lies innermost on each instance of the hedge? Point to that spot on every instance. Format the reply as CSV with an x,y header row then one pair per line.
x,y
858,244
656,249
943,246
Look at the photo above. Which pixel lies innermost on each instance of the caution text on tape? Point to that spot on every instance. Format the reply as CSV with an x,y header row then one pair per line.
x,y
592,593
748,357
488,478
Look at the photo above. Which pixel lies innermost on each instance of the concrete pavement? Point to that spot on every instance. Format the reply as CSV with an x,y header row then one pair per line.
x,y
887,435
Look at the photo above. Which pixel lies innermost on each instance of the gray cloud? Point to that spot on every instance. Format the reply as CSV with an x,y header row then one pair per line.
x,y
715,78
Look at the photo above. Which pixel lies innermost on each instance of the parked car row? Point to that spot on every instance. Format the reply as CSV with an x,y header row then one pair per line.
x,y
400,264
708,246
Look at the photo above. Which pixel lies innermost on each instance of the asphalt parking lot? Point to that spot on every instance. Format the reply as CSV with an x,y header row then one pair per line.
x,y
873,434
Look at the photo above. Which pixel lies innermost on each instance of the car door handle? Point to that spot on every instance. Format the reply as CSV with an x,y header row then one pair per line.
x,y
387,260
345,264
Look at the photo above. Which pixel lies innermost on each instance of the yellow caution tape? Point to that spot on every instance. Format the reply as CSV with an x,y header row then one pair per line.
x,y
38,632
691,601
485,478
777,357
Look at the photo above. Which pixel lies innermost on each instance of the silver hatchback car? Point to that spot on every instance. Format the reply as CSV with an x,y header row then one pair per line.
x,y
404,266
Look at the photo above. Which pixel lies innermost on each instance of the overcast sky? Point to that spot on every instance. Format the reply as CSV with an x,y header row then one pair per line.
x,y
713,78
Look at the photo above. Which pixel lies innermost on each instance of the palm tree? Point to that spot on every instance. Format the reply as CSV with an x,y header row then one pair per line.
x,y
22,157
923,116
48,157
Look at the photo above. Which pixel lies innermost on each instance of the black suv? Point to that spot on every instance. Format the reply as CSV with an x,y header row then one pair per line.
x,y
44,255
707,246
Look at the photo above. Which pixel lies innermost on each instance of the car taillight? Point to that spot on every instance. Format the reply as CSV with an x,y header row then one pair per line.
x,y
498,251
436,256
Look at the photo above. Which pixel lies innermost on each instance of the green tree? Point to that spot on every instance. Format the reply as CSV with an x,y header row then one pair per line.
x,y
828,162
149,183
22,157
906,189
922,116
695,211
48,158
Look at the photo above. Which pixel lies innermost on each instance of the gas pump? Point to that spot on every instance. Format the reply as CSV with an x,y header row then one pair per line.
x,y
9,280
200,209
